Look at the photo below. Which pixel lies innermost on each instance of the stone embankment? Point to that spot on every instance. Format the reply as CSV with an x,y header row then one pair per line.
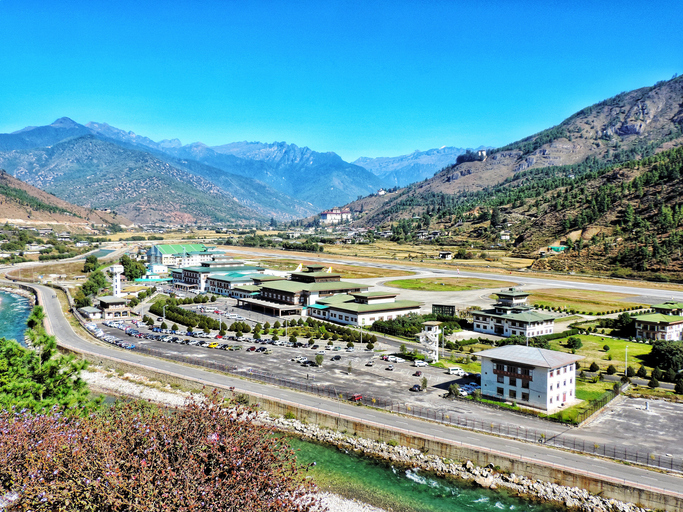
x,y
571,497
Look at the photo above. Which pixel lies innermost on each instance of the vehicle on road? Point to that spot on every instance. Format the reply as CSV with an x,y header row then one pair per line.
x,y
356,397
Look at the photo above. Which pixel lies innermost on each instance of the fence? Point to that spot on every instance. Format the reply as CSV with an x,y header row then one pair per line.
x,y
623,453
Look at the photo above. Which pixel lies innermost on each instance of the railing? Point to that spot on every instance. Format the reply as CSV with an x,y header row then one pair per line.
x,y
623,453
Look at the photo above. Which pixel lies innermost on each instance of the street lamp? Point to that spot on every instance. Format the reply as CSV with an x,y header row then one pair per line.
x,y
163,310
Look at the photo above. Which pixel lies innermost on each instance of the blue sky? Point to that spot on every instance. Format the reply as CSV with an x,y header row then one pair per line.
x,y
361,78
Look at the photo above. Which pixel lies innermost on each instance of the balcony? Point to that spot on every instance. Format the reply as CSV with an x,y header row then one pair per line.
x,y
529,377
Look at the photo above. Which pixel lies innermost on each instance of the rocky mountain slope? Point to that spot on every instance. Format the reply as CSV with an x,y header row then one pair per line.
x,y
23,204
98,174
403,170
320,179
629,126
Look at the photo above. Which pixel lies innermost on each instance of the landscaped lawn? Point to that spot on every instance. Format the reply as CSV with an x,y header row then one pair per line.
x,y
448,284
591,391
591,302
593,352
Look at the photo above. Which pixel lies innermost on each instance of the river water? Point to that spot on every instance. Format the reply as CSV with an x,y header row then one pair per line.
x,y
14,310
400,490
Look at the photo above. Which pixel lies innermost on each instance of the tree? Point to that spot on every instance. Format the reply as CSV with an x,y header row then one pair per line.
x,y
574,343
670,375
257,335
213,298
657,373
667,354
678,387
319,359
642,372
653,383
605,348
453,390
402,349
41,378
350,344
148,455
164,325
370,346
594,367
611,370
424,383
91,264
132,269
630,372
292,339
277,324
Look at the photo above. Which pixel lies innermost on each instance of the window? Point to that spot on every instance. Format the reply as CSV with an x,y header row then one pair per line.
x,y
499,391
525,384
551,399
551,387
525,397
565,369
512,381
500,379
565,382
552,373
500,367
513,393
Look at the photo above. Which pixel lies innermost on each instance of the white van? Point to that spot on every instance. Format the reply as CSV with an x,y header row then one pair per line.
x,y
457,371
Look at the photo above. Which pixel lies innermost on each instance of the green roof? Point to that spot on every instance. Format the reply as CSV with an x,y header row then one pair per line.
x,y
231,278
658,318
244,269
296,286
669,305
512,292
180,248
248,288
355,307
520,317
89,309
316,274
370,295
340,298
318,306
110,299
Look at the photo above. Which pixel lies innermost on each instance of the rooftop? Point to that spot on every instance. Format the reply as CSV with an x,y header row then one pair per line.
x,y
296,286
531,356
659,318
512,292
110,299
374,295
355,307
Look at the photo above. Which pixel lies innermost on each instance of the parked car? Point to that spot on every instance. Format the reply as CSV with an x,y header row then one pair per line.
x,y
456,370
320,352
356,397
251,349
390,367
416,387
336,358
370,363
420,364
417,374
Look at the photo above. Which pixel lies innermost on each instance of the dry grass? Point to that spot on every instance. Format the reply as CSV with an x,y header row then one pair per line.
x,y
591,302
448,284
346,271
70,270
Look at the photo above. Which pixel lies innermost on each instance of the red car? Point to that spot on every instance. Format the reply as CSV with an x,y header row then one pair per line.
x,y
356,397
251,349
417,374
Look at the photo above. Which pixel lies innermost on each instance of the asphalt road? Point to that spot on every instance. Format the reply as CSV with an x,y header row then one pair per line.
x,y
627,475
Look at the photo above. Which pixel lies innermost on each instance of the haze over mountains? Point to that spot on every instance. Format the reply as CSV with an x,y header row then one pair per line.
x,y
97,165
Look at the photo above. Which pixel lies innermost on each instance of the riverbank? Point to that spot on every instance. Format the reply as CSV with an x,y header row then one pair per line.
x,y
465,471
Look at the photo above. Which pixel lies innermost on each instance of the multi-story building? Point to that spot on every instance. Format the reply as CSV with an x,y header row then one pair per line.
x,y
665,324
181,255
533,377
512,316
358,308
335,215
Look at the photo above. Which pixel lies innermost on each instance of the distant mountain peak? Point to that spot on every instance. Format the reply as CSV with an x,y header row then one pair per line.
x,y
65,122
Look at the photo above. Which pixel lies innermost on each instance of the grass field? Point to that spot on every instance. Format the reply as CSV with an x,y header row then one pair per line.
x,y
70,270
591,302
448,284
591,390
593,351
346,271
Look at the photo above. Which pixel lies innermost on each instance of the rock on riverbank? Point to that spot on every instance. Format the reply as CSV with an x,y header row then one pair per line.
x,y
571,497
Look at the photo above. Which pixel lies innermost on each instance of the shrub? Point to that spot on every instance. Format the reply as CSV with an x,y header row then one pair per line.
x,y
147,455
630,372
594,367
678,388
653,383
605,348
574,343
642,372
657,373
611,370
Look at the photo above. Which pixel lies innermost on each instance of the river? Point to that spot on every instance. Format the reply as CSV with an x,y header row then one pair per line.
x,y
14,310
400,490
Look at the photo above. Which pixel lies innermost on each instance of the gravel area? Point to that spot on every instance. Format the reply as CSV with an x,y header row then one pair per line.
x,y
135,386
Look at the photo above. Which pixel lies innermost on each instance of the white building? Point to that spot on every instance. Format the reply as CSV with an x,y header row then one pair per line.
x,y
665,324
335,215
533,377
181,255
512,316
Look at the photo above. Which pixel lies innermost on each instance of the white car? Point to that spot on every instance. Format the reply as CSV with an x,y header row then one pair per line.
x,y
420,364
320,353
457,371
391,359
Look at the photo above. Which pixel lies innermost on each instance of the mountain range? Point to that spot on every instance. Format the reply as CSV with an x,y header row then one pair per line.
x,y
99,166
